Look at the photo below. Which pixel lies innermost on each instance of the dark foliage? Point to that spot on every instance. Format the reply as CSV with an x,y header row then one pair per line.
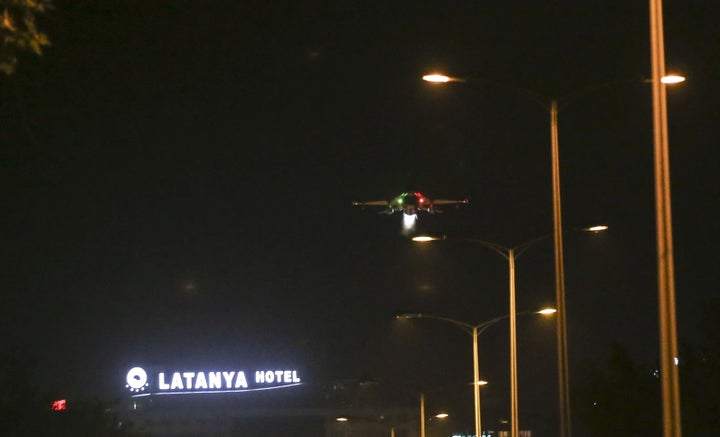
x,y
619,397
622,397
24,413
700,377
18,31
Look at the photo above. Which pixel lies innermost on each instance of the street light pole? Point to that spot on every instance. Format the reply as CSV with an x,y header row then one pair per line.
x,y
476,382
562,355
475,331
510,254
514,427
422,414
668,330
666,276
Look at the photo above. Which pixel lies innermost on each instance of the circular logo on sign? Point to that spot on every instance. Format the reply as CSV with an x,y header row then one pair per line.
x,y
137,379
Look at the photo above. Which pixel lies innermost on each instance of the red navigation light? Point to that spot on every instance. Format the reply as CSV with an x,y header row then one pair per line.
x,y
59,405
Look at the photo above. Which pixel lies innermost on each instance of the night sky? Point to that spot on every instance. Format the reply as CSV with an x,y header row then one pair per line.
x,y
177,180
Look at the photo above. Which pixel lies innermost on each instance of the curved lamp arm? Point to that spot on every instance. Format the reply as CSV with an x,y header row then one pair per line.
x,y
503,250
460,324
467,327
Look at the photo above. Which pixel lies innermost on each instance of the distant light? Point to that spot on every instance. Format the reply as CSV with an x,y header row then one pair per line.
x,y
672,78
423,238
546,311
59,405
598,228
676,361
482,382
436,78
442,415
341,419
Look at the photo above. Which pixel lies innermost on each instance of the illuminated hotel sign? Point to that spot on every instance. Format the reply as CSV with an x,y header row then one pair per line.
x,y
188,382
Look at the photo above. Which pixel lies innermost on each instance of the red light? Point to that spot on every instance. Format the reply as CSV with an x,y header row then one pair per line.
x,y
59,405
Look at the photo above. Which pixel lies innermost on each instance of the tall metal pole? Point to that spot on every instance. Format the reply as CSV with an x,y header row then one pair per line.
x,y
422,415
666,275
562,356
476,382
514,427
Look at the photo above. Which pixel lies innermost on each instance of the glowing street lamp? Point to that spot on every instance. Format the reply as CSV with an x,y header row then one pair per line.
x,y
547,311
440,78
475,331
672,78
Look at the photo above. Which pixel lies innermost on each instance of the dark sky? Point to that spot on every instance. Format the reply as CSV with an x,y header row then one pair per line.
x,y
177,181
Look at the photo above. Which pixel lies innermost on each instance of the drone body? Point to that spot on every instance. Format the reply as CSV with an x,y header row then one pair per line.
x,y
411,203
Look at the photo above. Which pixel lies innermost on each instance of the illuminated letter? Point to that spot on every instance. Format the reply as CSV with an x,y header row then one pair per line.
x,y
278,375
287,375
200,381
188,379
215,380
240,381
176,381
295,377
269,376
228,378
259,377
162,385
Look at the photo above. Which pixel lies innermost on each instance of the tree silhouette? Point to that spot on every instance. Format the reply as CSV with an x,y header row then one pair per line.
x,y
17,399
24,413
700,376
619,397
19,32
